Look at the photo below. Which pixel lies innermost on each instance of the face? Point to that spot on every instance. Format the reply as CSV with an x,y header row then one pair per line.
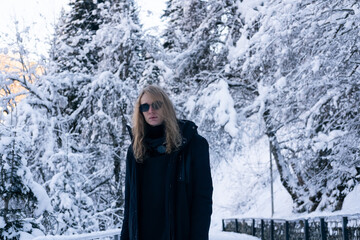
x,y
154,117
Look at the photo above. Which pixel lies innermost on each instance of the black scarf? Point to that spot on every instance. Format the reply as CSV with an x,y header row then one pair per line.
x,y
155,141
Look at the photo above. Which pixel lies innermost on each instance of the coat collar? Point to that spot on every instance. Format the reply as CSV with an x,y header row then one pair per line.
x,y
187,129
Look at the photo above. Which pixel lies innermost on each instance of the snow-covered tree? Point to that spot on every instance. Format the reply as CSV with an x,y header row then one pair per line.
x,y
120,41
196,51
196,43
73,208
183,18
21,87
73,36
102,119
23,201
44,117
105,109
97,106
300,60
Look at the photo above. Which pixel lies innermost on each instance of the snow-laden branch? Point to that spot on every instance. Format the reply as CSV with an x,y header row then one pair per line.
x,y
309,115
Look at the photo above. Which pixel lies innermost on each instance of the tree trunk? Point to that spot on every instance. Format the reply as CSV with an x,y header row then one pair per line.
x,y
284,170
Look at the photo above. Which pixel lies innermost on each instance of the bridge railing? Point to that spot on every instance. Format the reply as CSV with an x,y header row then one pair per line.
x,y
113,234
345,227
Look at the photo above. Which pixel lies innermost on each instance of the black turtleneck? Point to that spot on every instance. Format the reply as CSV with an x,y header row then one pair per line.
x,y
154,131
152,186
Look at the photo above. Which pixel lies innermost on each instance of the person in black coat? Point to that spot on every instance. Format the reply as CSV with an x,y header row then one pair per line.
x,y
168,185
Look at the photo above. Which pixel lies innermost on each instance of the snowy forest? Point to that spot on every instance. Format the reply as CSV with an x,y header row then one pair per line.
x,y
245,71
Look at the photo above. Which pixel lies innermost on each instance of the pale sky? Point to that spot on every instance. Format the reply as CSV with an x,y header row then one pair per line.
x,y
40,16
150,12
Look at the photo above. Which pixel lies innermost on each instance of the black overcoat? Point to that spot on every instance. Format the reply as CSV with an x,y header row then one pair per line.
x,y
188,190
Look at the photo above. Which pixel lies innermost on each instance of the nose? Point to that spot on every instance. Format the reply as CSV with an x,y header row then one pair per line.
x,y
151,109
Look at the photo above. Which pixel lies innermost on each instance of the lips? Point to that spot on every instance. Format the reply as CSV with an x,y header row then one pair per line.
x,y
153,118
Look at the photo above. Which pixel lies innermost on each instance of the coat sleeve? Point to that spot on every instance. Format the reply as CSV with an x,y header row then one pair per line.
x,y
125,225
202,189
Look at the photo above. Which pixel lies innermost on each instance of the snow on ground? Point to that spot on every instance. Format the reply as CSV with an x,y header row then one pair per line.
x,y
351,202
283,210
242,189
218,235
283,205
85,236
214,235
262,206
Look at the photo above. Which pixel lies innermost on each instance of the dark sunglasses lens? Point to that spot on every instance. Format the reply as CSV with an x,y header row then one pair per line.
x,y
144,107
156,105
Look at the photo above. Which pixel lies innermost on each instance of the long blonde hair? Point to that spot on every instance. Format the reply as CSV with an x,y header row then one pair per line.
x,y
172,131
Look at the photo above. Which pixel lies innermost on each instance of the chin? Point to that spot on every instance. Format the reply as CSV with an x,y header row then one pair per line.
x,y
155,123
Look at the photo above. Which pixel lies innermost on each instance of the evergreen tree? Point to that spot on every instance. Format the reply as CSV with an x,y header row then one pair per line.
x,y
183,18
105,111
74,209
120,41
190,41
23,201
74,34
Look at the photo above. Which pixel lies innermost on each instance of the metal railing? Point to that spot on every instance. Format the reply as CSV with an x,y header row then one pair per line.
x,y
317,228
113,234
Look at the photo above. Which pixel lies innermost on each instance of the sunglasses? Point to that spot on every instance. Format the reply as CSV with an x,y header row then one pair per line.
x,y
155,106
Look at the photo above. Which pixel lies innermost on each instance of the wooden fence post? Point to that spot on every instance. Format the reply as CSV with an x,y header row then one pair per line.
x,y
223,225
262,229
236,225
345,234
272,229
306,230
287,232
322,229
253,230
